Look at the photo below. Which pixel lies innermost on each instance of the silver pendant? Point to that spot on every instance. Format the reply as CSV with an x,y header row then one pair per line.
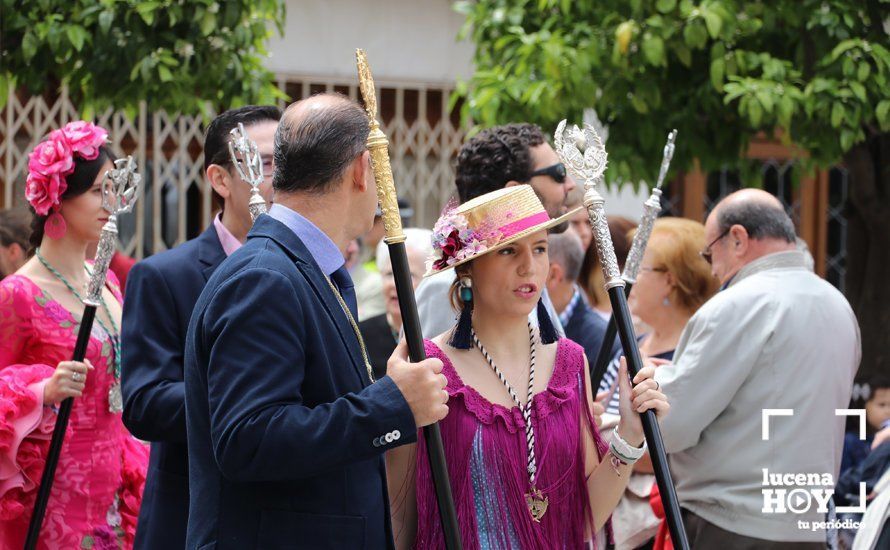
x,y
115,398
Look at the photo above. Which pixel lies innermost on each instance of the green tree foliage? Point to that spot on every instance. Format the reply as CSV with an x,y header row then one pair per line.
x,y
718,70
179,55
815,72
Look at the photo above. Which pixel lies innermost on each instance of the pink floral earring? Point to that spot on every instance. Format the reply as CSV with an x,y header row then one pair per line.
x,y
55,227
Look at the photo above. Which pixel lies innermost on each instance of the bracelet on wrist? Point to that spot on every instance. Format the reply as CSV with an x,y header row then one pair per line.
x,y
625,450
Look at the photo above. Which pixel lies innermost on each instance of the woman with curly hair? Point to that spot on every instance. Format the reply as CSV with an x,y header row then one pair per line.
x,y
95,498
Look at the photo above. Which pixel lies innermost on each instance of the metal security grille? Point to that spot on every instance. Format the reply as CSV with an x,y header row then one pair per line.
x,y
776,176
836,254
176,200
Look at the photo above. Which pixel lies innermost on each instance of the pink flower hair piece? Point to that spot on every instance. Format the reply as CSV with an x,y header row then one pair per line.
x,y
53,160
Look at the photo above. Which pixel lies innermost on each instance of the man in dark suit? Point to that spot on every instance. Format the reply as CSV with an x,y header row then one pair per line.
x,y
161,293
286,432
580,322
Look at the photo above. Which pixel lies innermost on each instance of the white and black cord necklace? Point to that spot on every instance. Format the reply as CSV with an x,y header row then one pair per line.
x,y
536,501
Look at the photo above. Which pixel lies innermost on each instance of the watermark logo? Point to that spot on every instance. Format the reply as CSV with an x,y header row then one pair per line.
x,y
801,493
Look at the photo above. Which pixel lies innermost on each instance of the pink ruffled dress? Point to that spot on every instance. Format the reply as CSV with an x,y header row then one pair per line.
x,y
486,453
98,486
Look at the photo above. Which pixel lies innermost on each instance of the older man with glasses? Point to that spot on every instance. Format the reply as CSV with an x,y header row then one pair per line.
x,y
495,158
777,337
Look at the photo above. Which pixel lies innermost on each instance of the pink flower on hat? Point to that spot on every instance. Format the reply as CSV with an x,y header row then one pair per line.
x,y
53,160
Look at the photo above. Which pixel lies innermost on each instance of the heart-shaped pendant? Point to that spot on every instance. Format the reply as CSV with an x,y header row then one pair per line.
x,y
537,504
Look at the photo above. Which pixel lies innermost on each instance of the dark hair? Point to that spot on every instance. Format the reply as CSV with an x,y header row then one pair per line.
x,y
313,150
15,227
78,182
760,219
216,136
877,382
864,391
495,156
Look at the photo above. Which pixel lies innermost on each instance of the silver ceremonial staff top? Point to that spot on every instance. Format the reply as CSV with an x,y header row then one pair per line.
x,y
651,209
245,156
584,154
120,187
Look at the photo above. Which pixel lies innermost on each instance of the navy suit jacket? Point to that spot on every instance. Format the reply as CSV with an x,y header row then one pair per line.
x,y
161,293
284,430
587,329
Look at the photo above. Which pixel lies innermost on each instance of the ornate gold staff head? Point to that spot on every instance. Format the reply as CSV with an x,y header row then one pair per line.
x,y
378,147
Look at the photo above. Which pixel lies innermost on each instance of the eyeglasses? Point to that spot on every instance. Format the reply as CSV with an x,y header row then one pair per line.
x,y
706,253
556,171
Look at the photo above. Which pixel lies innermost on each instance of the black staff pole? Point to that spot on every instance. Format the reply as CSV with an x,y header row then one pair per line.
x,y
585,155
116,200
651,209
395,240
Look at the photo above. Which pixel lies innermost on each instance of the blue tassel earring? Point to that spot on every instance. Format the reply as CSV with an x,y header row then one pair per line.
x,y
545,325
462,336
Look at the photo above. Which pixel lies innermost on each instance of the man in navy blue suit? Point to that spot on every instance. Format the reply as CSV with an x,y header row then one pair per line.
x,y
580,322
161,293
286,431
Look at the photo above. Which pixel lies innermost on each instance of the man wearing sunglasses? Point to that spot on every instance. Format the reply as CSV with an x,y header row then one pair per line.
x,y
502,156
777,337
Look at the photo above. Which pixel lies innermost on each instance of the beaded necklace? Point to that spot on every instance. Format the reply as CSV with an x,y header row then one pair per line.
x,y
534,499
115,398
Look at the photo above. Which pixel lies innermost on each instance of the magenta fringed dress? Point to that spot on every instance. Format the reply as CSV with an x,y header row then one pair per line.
x,y
95,498
486,453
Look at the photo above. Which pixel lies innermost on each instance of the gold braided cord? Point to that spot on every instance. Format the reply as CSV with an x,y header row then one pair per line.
x,y
355,329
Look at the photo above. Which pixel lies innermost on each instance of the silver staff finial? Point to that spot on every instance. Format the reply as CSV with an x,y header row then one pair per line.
x,y
583,153
120,188
246,156
651,209
666,159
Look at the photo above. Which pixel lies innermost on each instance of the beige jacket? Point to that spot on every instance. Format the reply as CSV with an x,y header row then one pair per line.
x,y
779,337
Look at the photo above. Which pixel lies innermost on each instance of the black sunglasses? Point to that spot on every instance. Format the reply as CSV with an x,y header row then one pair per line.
x,y
706,253
556,171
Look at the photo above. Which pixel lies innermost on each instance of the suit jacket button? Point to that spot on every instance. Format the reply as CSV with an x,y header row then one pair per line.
x,y
388,437
376,441
396,434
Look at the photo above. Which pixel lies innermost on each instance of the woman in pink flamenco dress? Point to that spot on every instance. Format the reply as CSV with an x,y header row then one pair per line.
x,y
527,467
95,498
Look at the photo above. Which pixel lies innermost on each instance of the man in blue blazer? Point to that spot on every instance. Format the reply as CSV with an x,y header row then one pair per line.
x,y
161,293
579,321
286,431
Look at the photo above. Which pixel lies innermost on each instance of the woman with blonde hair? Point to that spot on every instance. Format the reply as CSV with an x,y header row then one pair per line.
x,y
526,463
673,282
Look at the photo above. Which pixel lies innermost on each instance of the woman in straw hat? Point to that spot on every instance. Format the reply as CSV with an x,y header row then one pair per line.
x,y
528,468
